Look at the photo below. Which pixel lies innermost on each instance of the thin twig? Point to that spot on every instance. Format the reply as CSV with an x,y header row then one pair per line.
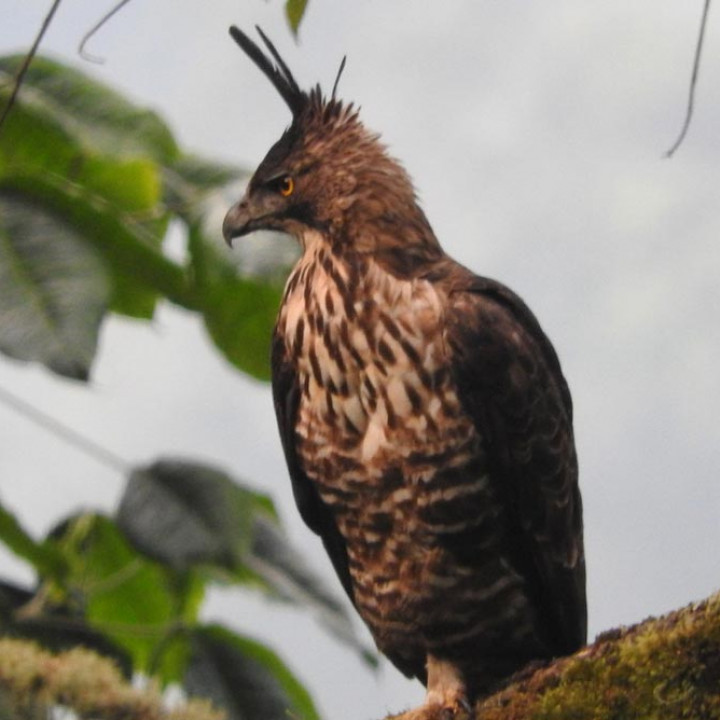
x,y
69,436
28,59
693,82
81,48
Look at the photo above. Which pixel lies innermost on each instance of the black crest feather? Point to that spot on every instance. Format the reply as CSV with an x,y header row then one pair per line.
x,y
337,79
279,74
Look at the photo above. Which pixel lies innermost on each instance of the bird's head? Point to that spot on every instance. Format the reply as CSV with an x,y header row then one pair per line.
x,y
327,173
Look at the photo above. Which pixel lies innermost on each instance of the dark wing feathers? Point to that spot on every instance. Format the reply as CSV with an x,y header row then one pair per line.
x,y
510,380
316,515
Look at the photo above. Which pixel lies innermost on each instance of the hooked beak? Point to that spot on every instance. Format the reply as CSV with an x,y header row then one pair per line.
x,y
238,221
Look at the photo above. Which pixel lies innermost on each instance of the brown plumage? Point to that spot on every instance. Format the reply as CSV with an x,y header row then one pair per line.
x,y
425,420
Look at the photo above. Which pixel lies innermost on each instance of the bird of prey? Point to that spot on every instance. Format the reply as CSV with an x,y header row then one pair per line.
x,y
425,420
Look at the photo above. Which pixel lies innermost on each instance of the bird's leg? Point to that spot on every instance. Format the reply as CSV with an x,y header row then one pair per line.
x,y
446,697
446,688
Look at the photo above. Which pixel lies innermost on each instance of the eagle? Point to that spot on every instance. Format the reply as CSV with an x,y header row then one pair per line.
x,y
424,417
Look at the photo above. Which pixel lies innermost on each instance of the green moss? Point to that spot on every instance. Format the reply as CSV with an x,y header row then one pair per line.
x,y
662,669
32,680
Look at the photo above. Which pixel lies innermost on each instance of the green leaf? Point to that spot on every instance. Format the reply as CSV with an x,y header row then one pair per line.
x,y
127,187
239,315
138,269
191,183
171,655
96,117
55,289
126,191
42,148
55,627
239,312
43,556
185,514
112,171
294,11
32,142
245,678
131,599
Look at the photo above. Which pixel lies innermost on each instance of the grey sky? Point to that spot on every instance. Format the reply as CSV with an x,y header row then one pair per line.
x,y
534,133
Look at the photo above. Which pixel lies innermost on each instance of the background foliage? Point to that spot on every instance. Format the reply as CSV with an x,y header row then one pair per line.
x,y
89,186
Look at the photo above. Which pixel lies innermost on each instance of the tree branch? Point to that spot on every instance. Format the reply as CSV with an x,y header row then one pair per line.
x,y
104,19
667,668
693,82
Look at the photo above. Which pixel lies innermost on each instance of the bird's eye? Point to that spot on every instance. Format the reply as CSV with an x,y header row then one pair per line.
x,y
285,185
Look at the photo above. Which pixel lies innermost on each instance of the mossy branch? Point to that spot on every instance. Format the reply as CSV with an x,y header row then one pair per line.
x,y
664,668
33,680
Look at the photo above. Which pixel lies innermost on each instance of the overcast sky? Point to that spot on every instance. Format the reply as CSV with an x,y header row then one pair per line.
x,y
535,134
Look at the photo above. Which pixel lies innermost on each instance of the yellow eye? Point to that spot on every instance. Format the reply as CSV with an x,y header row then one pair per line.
x,y
286,186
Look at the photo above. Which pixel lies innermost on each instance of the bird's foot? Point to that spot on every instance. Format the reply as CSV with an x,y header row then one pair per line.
x,y
459,710
446,695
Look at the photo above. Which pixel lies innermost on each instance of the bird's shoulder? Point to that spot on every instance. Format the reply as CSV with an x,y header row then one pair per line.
x,y
487,322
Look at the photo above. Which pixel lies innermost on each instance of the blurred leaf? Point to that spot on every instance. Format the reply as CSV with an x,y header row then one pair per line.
x,y
96,117
32,616
112,171
55,289
138,269
188,589
295,10
57,631
239,312
203,174
287,576
38,152
240,315
34,141
129,187
12,597
57,634
44,557
171,654
245,678
189,182
129,598
185,514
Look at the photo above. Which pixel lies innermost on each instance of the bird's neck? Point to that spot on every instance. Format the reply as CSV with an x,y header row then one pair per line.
x,y
404,245
331,284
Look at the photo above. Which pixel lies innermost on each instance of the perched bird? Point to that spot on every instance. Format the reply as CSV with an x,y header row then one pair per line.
x,y
426,423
